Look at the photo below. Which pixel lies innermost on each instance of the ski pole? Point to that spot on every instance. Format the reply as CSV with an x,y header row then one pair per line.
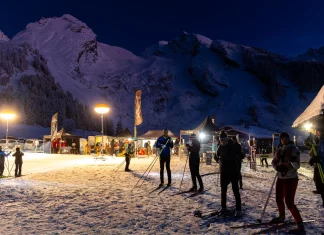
x,y
266,204
144,173
120,165
11,169
149,172
320,169
183,173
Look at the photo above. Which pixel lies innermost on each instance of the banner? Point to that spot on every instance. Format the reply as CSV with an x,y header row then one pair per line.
x,y
54,126
138,108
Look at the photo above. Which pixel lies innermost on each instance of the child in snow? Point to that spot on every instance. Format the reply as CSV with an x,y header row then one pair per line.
x,y
18,161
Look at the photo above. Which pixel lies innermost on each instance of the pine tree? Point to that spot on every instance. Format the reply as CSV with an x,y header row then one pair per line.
x,y
119,127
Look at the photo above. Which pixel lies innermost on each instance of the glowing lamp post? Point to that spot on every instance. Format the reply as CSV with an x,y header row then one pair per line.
x,y
7,116
101,109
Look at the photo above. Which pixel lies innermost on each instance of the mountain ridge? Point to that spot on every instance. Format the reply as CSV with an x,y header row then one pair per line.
x,y
183,79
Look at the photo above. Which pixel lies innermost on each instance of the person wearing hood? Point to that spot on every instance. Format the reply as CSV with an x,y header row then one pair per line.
x,y
2,160
286,162
227,157
194,162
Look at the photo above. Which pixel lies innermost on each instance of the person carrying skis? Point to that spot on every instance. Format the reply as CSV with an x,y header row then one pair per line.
x,y
317,160
2,160
239,158
164,144
129,151
286,162
227,157
18,161
194,163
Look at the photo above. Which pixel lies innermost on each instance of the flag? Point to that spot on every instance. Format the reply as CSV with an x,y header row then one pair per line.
x,y
138,108
54,126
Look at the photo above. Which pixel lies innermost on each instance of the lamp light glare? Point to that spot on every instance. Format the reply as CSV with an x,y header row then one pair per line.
x,y
202,135
7,116
308,126
101,108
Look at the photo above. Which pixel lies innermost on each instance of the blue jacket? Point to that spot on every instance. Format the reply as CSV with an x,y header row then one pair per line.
x,y
3,155
161,141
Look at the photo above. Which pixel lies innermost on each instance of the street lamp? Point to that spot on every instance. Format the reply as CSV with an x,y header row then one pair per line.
x,y
7,115
101,109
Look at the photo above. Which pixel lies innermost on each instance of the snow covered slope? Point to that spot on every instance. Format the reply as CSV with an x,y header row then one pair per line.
x,y
183,80
3,37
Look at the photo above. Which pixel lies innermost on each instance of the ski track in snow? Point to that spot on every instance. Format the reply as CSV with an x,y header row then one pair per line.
x,y
69,194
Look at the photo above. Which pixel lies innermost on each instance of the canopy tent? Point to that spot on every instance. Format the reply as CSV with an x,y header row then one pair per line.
x,y
252,131
207,126
154,134
313,113
125,134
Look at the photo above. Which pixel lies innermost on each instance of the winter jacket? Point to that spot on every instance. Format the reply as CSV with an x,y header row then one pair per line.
x,y
194,149
3,155
18,156
317,157
287,161
240,154
226,155
161,142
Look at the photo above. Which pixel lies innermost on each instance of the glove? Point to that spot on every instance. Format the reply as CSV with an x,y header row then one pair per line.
x,y
281,167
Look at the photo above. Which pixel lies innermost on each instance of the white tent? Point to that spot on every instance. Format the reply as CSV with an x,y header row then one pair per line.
x,y
314,111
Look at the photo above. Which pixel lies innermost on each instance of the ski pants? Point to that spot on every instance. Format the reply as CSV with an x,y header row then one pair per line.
x,y
1,168
285,192
127,159
194,163
225,180
18,169
266,161
165,160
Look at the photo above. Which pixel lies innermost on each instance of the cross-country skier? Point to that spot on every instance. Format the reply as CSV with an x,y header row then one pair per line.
x,y
239,157
2,160
317,160
227,157
194,162
18,161
286,162
129,151
164,144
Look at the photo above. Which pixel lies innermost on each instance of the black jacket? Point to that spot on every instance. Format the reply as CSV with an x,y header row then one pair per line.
x,y
227,157
194,149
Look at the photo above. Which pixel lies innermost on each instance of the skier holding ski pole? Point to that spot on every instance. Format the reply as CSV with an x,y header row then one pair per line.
x,y
286,162
165,144
194,162
317,160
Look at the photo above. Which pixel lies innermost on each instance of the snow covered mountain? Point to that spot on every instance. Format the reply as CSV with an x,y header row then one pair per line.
x,y
183,80
3,37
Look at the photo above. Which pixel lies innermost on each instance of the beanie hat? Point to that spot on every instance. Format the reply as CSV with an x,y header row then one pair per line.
x,y
284,135
223,136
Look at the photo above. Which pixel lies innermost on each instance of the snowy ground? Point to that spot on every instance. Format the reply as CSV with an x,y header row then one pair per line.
x,y
73,194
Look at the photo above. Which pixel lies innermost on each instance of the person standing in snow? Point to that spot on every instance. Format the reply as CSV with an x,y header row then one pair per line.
x,y
286,162
226,155
239,159
164,144
2,160
129,151
317,160
18,161
194,162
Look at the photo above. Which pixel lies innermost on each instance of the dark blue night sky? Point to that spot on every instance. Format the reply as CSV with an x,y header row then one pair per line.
x,y
285,27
